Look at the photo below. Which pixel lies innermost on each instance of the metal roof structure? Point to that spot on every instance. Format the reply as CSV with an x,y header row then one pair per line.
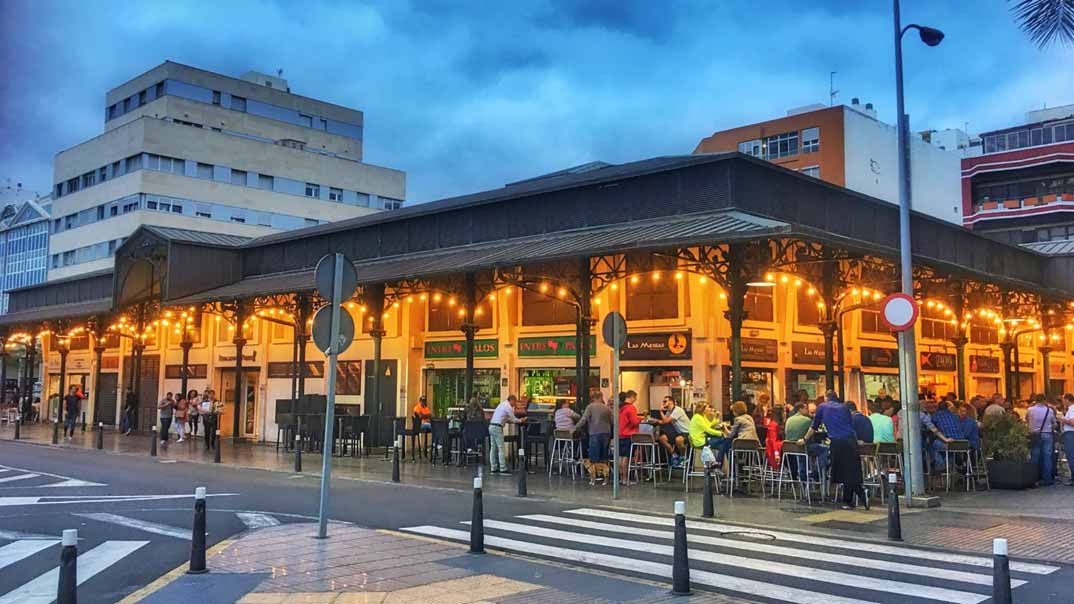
x,y
1051,248
197,237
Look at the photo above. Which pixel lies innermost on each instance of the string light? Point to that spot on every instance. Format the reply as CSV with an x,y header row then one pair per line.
x,y
656,275
634,279
562,292
615,286
544,288
702,279
678,275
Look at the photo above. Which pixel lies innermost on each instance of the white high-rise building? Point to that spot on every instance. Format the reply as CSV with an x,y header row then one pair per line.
x,y
191,149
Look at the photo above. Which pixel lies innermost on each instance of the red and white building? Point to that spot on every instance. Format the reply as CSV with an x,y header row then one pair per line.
x,y
1021,188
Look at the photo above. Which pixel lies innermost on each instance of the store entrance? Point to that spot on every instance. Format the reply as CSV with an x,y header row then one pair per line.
x,y
446,388
248,403
877,382
546,386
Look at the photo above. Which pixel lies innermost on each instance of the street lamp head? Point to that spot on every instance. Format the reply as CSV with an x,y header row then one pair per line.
x,y
930,35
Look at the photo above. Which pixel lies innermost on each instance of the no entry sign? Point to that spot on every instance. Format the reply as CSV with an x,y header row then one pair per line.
x,y
899,312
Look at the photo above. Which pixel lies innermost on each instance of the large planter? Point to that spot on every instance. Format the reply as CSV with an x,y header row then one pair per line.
x,y
1012,474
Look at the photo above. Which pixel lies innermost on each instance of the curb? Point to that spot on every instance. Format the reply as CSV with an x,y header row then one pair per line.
x,y
179,571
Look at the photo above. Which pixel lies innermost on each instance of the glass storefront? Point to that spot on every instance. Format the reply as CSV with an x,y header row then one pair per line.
x,y
545,386
875,382
447,388
813,382
985,386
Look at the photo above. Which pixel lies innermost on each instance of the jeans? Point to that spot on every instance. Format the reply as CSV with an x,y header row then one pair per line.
x,y
720,446
497,450
210,430
69,422
180,428
1068,446
1041,455
193,419
937,449
165,425
598,447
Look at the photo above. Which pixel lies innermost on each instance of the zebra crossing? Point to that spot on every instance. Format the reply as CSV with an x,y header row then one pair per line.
x,y
12,477
24,555
761,564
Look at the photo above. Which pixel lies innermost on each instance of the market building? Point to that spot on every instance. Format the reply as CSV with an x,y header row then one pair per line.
x,y
736,276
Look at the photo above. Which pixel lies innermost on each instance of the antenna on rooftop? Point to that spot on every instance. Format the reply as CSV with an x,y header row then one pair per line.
x,y
831,88
279,73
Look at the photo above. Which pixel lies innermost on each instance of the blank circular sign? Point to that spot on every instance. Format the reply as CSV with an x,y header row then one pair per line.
x,y
899,312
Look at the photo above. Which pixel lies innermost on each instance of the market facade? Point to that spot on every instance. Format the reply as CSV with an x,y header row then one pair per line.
x,y
736,278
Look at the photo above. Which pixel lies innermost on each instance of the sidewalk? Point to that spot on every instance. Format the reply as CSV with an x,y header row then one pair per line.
x,y
287,565
1038,522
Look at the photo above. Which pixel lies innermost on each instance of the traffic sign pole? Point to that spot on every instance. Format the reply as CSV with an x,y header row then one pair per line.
x,y
614,332
330,406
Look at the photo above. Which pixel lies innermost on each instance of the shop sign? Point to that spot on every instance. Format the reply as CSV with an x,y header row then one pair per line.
x,y
553,346
760,350
1056,367
879,357
109,362
937,361
807,353
1026,364
225,358
456,349
665,346
983,364
175,372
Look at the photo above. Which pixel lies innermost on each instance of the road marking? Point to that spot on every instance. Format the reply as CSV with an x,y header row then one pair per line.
x,y
256,521
142,525
63,499
855,546
67,481
16,535
742,562
13,552
74,482
42,590
776,550
19,477
663,571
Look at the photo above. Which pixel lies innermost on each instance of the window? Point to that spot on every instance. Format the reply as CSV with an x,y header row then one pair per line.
x,y
872,323
238,103
652,298
216,97
55,261
69,258
152,205
126,105
758,304
311,222
89,179
134,162
205,171
813,171
313,190
102,174
112,112
810,140
324,124
752,147
130,207
70,221
177,209
238,177
113,210
141,98
100,212
305,120
936,323
444,316
112,245
781,145
334,194
160,89
203,211
983,333
264,181
539,309
808,311
237,215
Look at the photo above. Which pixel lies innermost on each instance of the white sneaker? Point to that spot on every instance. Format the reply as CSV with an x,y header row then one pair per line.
x,y
180,439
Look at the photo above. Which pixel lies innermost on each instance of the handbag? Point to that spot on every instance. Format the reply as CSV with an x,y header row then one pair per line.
x,y
1034,438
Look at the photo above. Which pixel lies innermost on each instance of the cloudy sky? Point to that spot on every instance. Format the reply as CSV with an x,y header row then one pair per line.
x,y
466,96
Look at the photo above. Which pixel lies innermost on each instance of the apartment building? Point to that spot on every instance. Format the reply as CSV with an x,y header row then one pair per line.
x,y
848,146
1021,188
188,148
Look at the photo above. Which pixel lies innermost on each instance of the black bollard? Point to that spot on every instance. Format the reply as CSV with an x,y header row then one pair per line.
x,y
100,436
1001,573
298,453
55,433
197,540
66,591
83,421
477,521
18,427
894,521
522,490
216,448
395,459
708,508
680,566
153,442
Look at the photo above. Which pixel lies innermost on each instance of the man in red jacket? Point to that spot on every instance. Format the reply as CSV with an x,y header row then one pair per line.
x,y
628,426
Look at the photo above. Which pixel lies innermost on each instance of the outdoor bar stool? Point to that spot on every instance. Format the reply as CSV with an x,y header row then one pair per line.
x,y
889,456
285,431
440,447
747,453
794,455
690,469
420,440
565,450
644,457
871,476
474,435
980,467
956,449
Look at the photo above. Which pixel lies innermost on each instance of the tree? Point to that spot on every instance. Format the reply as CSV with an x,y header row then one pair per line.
x,y
1046,22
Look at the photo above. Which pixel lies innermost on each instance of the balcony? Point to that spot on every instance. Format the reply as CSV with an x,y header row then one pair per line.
x,y
989,205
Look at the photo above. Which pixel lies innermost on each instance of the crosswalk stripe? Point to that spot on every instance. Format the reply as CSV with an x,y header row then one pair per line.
x,y
843,544
73,482
18,477
776,550
256,521
143,525
741,562
655,569
42,590
13,552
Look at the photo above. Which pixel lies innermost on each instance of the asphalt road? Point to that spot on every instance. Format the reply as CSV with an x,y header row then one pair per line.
x,y
135,510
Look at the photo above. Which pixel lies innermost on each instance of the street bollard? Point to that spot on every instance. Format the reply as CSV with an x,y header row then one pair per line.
x,y
197,539
298,453
55,433
708,508
477,521
680,566
894,521
216,448
1001,573
83,421
522,490
100,436
153,442
395,458
18,427
66,591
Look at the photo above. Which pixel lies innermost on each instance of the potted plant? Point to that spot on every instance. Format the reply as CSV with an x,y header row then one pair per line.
x,y
1006,444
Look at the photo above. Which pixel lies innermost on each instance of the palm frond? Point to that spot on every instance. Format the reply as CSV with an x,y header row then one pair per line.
x,y
1046,22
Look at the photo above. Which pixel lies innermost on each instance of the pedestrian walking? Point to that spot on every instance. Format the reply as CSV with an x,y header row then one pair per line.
x,y
166,406
208,410
130,405
72,406
192,412
846,463
182,406
1041,421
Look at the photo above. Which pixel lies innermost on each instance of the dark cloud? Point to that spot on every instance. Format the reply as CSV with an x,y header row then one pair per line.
x,y
470,95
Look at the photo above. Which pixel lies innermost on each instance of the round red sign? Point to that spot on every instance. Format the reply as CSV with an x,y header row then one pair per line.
x,y
899,312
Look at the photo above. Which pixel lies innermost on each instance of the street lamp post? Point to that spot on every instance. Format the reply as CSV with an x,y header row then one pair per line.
x,y
911,420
